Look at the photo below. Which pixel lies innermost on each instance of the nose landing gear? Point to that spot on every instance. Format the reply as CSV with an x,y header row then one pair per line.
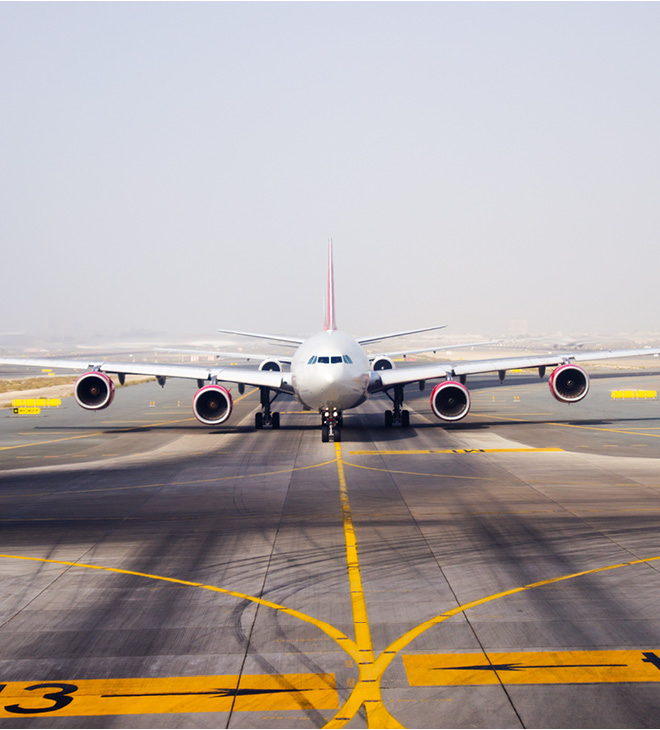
x,y
331,423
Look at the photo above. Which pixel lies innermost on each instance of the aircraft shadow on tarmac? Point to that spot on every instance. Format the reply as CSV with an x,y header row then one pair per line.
x,y
359,427
547,421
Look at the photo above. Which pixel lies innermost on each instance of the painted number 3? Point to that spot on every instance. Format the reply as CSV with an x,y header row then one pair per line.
x,y
61,698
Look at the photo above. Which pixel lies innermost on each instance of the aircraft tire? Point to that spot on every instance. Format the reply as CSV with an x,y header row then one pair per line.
x,y
389,417
337,435
258,420
405,419
325,433
276,419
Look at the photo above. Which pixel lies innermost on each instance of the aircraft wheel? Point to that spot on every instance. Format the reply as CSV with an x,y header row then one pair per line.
x,y
405,418
388,419
337,435
276,419
325,433
258,420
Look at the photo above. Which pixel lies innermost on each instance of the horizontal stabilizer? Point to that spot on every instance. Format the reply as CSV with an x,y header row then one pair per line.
x,y
273,338
390,335
234,355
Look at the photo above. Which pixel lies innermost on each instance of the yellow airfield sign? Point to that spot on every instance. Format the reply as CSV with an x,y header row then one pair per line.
x,y
23,411
533,667
245,693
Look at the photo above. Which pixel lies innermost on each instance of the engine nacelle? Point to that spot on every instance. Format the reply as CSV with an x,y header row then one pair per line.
x,y
94,391
382,363
569,383
450,400
212,405
271,364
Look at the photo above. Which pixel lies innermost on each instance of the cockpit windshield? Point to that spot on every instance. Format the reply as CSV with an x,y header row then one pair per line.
x,y
327,359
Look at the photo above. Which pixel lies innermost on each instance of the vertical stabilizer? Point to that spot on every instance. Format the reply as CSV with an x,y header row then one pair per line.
x,y
329,323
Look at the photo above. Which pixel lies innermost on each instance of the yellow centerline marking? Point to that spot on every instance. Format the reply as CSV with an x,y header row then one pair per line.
x,y
415,452
367,691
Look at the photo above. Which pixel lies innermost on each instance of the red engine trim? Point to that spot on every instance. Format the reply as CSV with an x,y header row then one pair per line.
x,y
212,405
94,391
455,402
569,383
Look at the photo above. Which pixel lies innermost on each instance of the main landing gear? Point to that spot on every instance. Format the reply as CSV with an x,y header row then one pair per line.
x,y
331,423
397,414
265,417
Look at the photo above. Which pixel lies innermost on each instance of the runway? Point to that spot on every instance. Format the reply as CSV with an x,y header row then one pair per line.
x,y
499,572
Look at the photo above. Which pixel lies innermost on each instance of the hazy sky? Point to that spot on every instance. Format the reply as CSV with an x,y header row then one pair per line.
x,y
181,166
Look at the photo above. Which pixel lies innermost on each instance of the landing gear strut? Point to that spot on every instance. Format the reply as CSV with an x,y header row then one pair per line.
x,y
397,414
331,423
265,417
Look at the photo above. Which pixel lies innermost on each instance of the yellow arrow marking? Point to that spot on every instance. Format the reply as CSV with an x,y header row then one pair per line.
x,y
240,693
530,667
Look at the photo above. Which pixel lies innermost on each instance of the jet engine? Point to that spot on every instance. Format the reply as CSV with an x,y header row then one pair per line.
x,y
382,363
271,364
569,383
212,405
94,391
450,400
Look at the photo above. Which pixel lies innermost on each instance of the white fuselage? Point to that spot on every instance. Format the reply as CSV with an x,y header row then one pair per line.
x,y
330,370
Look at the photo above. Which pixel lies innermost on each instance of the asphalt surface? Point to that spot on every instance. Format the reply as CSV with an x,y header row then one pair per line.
x,y
499,572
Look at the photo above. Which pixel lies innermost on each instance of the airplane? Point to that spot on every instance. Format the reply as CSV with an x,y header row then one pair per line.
x,y
330,372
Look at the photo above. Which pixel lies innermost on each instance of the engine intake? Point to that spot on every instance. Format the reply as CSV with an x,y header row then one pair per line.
x,y
382,363
271,364
450,400
212,405
94,391
569,383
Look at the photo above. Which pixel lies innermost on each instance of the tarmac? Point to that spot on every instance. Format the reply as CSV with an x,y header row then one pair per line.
x,y
502,571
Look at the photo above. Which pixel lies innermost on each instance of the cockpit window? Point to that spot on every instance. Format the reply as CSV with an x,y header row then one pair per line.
x,y
335,358
347,360
324,359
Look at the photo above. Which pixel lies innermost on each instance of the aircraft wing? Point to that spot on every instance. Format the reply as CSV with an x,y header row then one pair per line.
x,y
243,376
235,355
383,379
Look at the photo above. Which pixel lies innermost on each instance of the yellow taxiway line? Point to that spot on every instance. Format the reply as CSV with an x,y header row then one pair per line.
x,y
416,452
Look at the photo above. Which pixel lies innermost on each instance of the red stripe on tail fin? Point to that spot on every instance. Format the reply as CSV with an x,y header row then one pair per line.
x,y
330,323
